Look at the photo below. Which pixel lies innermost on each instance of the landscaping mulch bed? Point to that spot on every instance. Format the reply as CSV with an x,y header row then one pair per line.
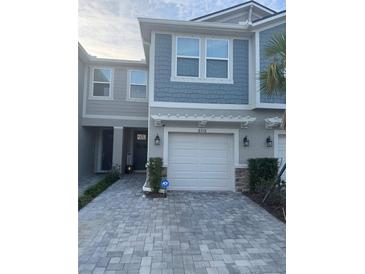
x,y
273,209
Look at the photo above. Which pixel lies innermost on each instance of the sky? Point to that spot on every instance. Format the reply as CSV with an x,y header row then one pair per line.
x,y
109,28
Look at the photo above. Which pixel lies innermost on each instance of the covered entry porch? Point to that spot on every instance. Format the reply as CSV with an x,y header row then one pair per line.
x,y
122,147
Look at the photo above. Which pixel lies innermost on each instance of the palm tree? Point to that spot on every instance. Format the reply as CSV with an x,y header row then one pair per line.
x,y
273,78
273,82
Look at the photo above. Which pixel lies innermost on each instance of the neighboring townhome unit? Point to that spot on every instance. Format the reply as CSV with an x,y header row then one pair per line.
x,y
113,111
204,102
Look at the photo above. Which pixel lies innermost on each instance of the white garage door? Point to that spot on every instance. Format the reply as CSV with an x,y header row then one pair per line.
x,y
281,154
200,161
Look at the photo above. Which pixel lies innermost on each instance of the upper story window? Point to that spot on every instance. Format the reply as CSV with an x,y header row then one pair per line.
x,y
137,84
101,83
202,59
187,57
217,58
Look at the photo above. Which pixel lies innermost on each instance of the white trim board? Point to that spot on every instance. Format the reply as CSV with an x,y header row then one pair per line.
x,y
276,141
167,130
200,105
115,117
242,6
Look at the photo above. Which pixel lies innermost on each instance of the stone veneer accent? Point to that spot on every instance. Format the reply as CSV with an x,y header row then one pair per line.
x,y
241,179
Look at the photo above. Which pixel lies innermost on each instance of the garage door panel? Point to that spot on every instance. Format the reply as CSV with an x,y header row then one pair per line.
x,y
200,161
194,184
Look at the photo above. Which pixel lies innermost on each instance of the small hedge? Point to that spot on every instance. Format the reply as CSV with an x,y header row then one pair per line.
x,y
94,190
154,166
261,170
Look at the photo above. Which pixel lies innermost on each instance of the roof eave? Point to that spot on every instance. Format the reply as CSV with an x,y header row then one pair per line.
x,y
149,24
230,9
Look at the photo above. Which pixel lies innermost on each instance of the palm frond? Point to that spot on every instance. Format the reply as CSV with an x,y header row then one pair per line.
x,y
276,46
273,78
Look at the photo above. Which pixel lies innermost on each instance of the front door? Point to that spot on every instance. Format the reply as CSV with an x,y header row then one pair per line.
x,y
140,150
107,149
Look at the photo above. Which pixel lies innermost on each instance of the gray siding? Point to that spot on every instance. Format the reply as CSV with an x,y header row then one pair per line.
x,y
265,37
86,136
119,106
166,90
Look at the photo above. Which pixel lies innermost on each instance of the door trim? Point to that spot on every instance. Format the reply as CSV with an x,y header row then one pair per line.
x,y
276,141
167,130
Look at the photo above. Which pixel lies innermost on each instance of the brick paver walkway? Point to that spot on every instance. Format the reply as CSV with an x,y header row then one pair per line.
x,y
120,231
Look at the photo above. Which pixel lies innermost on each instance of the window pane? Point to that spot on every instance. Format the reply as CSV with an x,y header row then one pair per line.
x,y
217,68
138,77
101,89
187,67
217,48
138,91
188,47
102,75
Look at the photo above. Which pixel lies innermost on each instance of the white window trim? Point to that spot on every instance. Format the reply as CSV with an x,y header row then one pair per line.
x,y
186,56
91,94
216,58
202,61
129,83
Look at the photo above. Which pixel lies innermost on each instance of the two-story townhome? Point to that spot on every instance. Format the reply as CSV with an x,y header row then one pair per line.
x,y
195,102
113,113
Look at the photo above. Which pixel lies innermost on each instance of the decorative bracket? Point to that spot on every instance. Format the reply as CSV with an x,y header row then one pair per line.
x,y
202,123
158,123
274,122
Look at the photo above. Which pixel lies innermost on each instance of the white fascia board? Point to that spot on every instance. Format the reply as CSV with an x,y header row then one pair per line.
x,y
193,24
257,24
83,55
271,106
117,61
86,57
245,5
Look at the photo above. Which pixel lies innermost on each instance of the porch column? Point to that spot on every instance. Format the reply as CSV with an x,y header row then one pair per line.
x,y
117,146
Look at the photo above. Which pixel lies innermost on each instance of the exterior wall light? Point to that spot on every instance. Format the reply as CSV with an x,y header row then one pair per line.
x,y
268,142
246,142
157,140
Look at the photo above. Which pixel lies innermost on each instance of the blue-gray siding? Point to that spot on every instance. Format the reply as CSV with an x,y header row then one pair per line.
x,y
265,37
170,91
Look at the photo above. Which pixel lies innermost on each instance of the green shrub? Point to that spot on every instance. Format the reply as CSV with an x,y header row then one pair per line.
x,y
154,166
84,200
261,170
263,185
93,191
113,174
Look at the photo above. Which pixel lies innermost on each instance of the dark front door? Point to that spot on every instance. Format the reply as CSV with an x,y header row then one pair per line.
x,y
140,150
107,149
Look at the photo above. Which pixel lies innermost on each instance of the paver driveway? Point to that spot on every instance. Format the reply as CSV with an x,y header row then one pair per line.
x,y
120,231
